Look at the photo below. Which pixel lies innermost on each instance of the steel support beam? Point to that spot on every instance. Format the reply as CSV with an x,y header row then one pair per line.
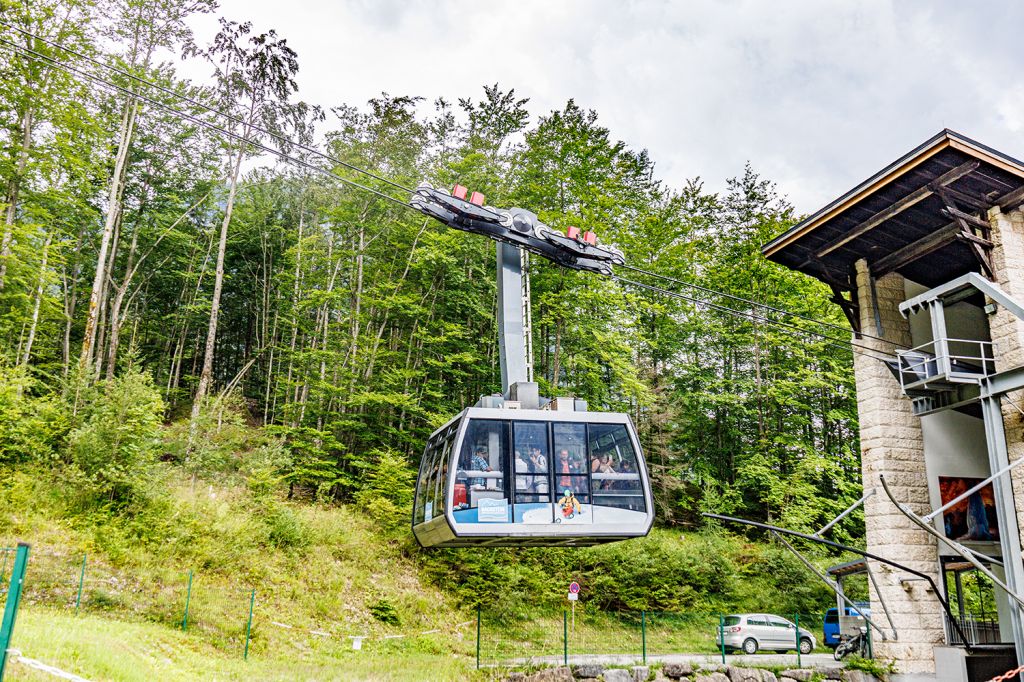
x,y
511,340
1002,487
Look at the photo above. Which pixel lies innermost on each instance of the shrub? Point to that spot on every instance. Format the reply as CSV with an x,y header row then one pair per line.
x,y
31,428
387,491
385,612
118,438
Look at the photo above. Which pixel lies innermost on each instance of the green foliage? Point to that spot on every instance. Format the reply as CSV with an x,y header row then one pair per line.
x,y
387,491
384,611
32,427
118,438
881,668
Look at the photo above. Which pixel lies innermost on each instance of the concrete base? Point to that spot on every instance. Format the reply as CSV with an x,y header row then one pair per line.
x,y
954,664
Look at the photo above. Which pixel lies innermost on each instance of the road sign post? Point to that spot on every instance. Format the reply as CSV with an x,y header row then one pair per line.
x,y
574,595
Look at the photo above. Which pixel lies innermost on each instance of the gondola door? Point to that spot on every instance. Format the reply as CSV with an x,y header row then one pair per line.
x,y
571,474
531,453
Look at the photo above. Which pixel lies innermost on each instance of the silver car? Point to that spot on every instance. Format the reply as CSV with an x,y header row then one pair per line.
x,y
749,632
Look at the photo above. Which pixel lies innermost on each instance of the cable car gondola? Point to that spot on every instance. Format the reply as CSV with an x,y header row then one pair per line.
x,y
517,469
499,476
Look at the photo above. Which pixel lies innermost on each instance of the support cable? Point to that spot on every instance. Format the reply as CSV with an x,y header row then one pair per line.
x,y
829,340
867,555
285,141
964,552
29,53
740,299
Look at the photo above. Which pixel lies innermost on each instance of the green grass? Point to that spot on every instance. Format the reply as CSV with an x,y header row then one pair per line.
x,y
334,570
345,577
102,648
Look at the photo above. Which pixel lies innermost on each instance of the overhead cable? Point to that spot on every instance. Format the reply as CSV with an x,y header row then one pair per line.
x,y
747,315
29,53
198,121
765,306
217,112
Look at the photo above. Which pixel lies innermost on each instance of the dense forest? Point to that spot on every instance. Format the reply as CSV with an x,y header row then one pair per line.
x,y
159,277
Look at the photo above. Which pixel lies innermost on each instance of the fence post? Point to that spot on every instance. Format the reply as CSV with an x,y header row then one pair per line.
x,y
721,635
3,571
871,649
477,636
188,600
248,628
565,637
796,620
81,583
643,633
13,599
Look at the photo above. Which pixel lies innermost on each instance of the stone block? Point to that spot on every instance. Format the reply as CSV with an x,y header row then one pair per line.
x,y
829,673
711,677
588,670
640,673
677,670
617,675
516,677
737,674
560,674
857,676
800,675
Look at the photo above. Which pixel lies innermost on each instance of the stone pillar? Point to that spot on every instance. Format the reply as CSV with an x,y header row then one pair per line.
x,y
891,443
1007,331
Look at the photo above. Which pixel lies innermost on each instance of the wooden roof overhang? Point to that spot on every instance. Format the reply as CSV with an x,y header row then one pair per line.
x,y
923,216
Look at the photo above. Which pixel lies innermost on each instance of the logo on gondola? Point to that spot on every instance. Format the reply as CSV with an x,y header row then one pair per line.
x,y
570,506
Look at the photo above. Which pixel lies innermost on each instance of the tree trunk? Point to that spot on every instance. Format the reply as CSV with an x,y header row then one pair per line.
x,y
206,376
113,209
38,302
13,188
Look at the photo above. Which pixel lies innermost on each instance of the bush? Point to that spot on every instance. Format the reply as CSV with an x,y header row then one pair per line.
x,y
119,437
31,428
387,492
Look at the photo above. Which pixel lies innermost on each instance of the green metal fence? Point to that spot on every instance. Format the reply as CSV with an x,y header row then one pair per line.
x,y
509,638
12,584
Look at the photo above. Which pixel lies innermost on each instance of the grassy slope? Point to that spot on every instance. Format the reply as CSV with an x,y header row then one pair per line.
x,y
102,648
316,568
332,580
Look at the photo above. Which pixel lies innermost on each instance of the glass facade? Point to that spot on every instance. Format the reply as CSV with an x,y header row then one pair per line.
x,y
533,472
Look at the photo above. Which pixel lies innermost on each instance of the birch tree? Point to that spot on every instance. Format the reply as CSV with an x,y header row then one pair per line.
x,y
256,80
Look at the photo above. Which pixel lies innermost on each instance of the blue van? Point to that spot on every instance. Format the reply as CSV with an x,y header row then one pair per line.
x,y
831,626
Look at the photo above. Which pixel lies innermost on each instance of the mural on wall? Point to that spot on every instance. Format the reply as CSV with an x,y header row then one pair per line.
x,y
973,518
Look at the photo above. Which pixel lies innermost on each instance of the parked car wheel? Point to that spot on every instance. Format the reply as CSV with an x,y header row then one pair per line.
x,y
750,646
805,646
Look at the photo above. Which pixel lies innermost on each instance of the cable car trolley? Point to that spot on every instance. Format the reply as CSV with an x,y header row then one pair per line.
x,y
518,469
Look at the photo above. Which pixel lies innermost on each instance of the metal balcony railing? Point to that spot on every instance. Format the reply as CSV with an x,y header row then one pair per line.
x,y
978,631
942,364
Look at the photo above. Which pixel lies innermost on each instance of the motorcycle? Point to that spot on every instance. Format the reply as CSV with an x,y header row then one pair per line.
x,y
857,643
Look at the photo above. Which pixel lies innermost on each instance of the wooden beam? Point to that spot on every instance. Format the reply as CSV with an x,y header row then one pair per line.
x,y
930,243
981,254
918,195
1011,199
849,307
957,214
978,202
965,221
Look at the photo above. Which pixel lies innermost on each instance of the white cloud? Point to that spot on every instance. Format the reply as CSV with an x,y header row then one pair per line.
x,y
816,95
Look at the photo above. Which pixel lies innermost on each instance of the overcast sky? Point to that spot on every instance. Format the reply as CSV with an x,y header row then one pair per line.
x,y
816,95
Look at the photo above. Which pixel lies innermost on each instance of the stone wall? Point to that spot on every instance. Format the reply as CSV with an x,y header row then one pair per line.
x,y
892,444
1008,332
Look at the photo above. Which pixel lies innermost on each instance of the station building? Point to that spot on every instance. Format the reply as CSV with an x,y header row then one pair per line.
x,y
911,255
